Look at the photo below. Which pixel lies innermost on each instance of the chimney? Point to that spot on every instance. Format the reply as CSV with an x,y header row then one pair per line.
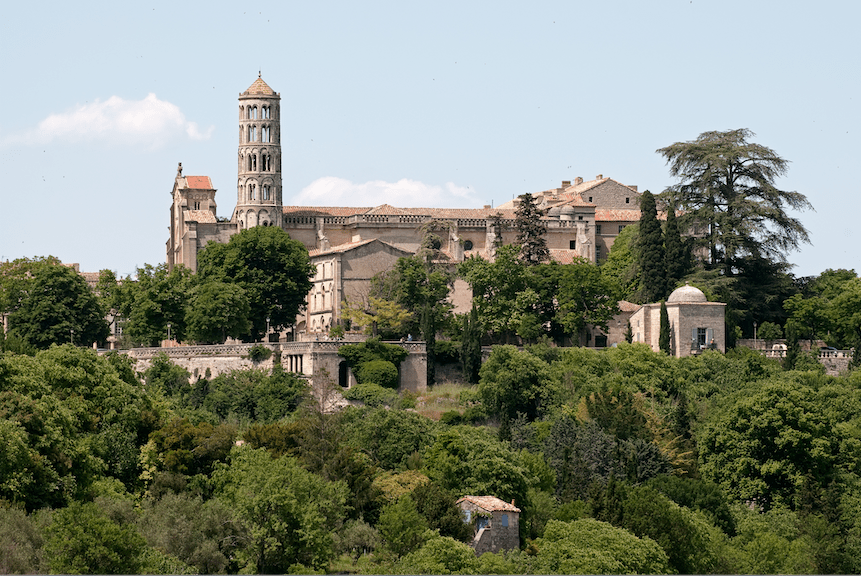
x,y
487,206
578,180
599,176
633,187
566,183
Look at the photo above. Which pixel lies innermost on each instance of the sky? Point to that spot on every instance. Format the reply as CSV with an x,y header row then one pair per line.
x,y
414,104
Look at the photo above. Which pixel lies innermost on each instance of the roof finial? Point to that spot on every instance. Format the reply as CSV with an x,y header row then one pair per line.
x,y
260,73
179,169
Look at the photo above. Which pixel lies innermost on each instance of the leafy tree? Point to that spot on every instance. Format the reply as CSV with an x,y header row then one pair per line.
x,y
389,437
470,461
664,334
531,231
55,306
216,311
402,527
441,555
22,542
379,315
439,508
380,372
769,331
727,192
620,267
651,257
83,540
272,269
513,381
589,546
155,299
288,512
583,296
764,444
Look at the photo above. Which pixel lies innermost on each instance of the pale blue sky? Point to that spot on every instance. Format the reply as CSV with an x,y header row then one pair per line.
x,y
413,104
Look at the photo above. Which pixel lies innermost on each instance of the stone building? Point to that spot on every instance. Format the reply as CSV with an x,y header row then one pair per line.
x,y
583,218
496,523
695,323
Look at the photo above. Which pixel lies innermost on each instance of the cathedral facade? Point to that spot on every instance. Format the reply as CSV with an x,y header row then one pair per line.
x,y
351,244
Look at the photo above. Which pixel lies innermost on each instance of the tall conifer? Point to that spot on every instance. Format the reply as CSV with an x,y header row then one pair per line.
x,y
664,336
653,280
677,253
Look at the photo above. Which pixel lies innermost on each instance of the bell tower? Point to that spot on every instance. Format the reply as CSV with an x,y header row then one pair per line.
x,y
258,194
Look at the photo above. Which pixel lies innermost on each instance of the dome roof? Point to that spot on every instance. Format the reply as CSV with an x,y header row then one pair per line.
x,y
567,210
687,293
554,211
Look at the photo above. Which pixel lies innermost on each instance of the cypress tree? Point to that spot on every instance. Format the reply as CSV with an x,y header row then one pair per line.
x,y
677,253
470,351
650,253
531,231
664,336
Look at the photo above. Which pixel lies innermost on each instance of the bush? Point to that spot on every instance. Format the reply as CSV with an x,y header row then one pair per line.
x,y
447,352
259,352
770,331
380,372
372,394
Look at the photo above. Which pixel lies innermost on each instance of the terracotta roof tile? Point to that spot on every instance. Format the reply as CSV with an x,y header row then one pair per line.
x,y
259,87
347,246
625,306
563,256
490,503
198,182
202,216
602,215
386,210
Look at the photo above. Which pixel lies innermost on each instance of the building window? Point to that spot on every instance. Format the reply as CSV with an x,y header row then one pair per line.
x,y
197,205
504,520
597,228
702,337
264,132
627,200
597,252
467,244
266,192
579,217
572,244
621,227
600,341
253,190
264,112
590,198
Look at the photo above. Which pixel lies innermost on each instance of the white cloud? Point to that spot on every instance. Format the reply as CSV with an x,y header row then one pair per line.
x,y
151,122
332,191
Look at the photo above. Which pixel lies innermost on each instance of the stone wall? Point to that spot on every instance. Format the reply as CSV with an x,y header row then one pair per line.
x,y
313,360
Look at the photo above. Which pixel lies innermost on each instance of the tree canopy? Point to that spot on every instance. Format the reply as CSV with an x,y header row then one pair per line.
x,y
272,269
728,196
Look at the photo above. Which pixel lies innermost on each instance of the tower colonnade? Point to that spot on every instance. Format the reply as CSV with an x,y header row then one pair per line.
x,y
259,191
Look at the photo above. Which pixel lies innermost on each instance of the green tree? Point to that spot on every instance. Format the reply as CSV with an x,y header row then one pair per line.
x,y
216,311
727,193
56,306
761,447
677,252
664,334
155,299
582,295
620,267
442,555
651,257
470,350
591,547
82,539
273,269
531,231
439,508
401,526
513,381
289,513
378,315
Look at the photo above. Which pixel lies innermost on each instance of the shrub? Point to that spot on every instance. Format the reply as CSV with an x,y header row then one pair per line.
x,y
447,352
372,394
380,372
259,352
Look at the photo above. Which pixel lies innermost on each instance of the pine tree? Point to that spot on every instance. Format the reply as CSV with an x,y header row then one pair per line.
x,y
531,231
677,253
650,252
664,336
470,351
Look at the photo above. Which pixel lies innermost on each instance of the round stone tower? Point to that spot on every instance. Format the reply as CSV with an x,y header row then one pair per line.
x,y
258,194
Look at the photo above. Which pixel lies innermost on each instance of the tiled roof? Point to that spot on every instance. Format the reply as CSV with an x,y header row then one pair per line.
x,y
563,256
347,246
490,503
625,306
198,182
202,216
387,210
259,88
602,215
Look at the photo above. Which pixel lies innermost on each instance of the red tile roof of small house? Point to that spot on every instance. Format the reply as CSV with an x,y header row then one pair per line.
x,y
490,503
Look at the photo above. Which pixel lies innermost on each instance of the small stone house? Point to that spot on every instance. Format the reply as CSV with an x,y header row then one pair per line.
x,y
496,523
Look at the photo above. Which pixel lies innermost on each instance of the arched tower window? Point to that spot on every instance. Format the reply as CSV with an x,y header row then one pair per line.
x,y
252,133
265,111
254,162
254,113
266,192
265,133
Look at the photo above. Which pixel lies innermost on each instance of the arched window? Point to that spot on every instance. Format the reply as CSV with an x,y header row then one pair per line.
x,y
264,132
266,192
254,113
253,162
252,191
252,133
